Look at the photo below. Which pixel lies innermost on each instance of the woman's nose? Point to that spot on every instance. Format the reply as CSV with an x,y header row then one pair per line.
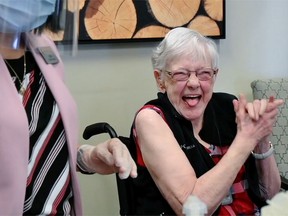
x,y
193,81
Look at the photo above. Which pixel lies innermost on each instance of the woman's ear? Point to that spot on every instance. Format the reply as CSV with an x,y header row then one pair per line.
x,y
215,76
159,80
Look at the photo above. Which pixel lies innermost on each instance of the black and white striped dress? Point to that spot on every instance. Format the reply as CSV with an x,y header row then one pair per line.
x,y
48,189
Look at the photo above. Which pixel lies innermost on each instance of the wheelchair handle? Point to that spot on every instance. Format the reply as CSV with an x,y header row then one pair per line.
x,y
98,128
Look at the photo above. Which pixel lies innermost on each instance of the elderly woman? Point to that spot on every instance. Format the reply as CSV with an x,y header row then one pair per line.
x,y
188,142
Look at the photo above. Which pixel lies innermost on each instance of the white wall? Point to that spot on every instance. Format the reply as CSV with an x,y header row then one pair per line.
x,y
111,81
256,43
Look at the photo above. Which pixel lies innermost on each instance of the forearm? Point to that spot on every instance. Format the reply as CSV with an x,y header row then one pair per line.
x,y
213,186
269,177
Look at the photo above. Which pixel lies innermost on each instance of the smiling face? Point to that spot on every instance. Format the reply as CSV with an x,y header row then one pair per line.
x,y
190,97
182,57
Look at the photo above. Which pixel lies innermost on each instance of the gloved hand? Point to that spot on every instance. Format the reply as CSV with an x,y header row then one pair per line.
x,y
111,156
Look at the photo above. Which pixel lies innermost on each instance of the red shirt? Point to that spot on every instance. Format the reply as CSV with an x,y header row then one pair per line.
x,y
241,204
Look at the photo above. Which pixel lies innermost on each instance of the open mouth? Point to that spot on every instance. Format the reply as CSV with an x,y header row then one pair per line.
x,y
192,100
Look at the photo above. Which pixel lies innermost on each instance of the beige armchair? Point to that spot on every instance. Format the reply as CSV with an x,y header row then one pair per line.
x,y
277,87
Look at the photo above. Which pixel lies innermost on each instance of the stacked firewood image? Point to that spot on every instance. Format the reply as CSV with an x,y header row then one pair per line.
x,y
136,19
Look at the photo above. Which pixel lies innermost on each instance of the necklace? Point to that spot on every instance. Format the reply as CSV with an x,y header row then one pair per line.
x,y
22,87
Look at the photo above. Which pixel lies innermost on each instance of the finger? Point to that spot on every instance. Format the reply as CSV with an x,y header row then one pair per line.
x,y
127,167
256,107
123,165
271,98
263,106
270,103
118,149
134,173
112,153
128,170
241,113
251,111
123,161
236,108
273,113
274,105
123,174
242,105
236,105
278,102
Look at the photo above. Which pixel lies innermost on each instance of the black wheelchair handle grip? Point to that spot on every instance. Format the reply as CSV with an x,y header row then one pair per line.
x,y
98,128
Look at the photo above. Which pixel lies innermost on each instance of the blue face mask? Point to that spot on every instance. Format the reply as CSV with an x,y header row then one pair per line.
x,y
24,15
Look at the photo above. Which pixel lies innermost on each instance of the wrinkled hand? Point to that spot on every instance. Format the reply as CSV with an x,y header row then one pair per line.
x,y
259,108
255,119
111,156
270,113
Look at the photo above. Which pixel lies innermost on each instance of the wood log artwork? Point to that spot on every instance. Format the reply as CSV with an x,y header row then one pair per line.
x,y
71,7
139,19
110,19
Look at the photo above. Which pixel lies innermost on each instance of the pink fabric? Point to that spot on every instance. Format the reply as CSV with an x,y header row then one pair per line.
x,y
230,210
14,132
239,187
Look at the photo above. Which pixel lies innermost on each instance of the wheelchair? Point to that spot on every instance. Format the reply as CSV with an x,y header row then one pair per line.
x,y
124,186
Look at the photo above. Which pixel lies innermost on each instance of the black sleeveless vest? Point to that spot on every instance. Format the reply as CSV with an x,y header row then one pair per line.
x,y
219,128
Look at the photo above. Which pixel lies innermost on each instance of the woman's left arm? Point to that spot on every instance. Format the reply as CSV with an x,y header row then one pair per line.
x,y
268,173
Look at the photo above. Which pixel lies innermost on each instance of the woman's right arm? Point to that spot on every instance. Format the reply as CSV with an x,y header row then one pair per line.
x,y
171,170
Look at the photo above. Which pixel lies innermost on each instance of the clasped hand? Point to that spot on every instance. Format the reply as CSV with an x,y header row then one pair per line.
x,y
255,119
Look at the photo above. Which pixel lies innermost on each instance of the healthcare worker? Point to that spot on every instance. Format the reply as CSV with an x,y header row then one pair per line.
x,y
39,151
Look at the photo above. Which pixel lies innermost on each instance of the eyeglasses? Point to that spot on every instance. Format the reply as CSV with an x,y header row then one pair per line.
x,y
203,74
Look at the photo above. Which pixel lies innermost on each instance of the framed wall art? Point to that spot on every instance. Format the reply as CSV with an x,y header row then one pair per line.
x,y
147,20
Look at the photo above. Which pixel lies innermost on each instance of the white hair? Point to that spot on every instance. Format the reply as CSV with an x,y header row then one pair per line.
x,y
180,42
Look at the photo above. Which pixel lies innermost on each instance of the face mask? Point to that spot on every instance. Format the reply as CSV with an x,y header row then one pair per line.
x,y
24,15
